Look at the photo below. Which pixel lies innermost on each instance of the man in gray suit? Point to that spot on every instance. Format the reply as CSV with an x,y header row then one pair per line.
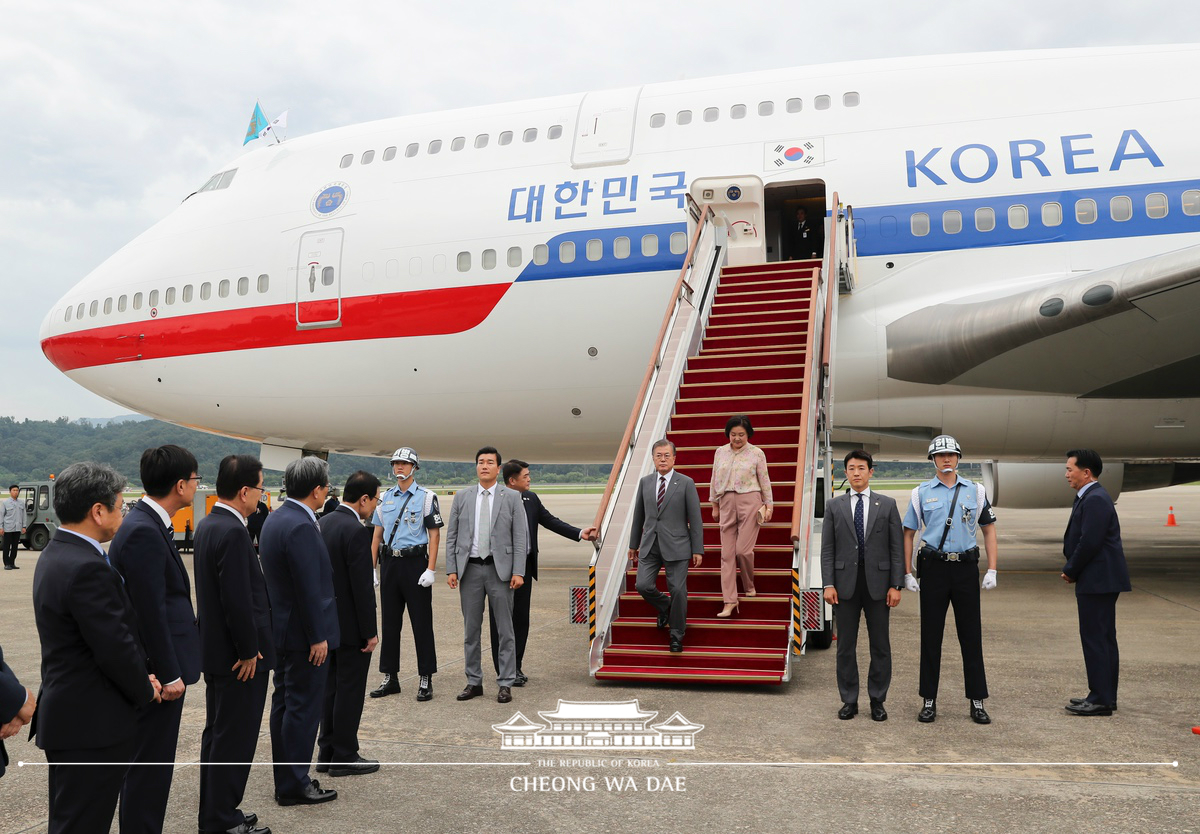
x,y
486,543
862,561
667,530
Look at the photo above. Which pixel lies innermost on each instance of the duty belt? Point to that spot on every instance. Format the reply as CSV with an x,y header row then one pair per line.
x,y
964,556
415,550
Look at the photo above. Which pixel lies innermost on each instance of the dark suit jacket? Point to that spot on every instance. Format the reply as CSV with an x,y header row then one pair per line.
x,y
12,698
883,554
157,582
803,247
1092,545
538,514
677,526
299,580
231,593
349,546
94,676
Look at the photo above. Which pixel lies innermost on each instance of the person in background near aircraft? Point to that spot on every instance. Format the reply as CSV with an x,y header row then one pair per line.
x,y
94,678
808,237
237,652
666,520
407,531
516,476
349,546
144,551
331,503
740,492
486,543
1096,566
13,513
304,620
17,705
862,560
950,508
254,523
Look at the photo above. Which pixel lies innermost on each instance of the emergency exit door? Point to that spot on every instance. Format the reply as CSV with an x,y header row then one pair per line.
x,y
604,128
319,280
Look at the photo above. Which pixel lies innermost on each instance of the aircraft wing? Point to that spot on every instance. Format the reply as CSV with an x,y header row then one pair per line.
x,y
1126,332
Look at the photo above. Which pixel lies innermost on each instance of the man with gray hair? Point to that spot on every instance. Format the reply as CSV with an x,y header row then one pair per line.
x,y
305,627
94,678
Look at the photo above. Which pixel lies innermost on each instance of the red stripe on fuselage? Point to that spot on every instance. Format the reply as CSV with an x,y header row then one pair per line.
x,y
420,313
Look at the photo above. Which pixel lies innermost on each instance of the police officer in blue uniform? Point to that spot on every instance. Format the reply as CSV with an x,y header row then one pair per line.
x,y
408,526
951,510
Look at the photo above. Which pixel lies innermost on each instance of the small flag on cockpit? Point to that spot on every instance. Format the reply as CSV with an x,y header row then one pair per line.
x,y
258,123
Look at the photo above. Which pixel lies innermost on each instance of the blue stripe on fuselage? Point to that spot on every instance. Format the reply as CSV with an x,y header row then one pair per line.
x,y
608,263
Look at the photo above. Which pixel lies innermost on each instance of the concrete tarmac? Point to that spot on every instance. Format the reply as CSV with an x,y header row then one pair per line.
x,y
772,758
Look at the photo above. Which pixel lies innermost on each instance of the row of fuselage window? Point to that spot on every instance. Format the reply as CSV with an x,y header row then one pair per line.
x,y
593,250
1120,209
530,134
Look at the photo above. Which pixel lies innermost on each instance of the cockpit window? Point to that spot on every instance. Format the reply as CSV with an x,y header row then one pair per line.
x,y
218,181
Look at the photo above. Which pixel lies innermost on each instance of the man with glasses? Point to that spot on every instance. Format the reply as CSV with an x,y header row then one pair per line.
x,y
144,551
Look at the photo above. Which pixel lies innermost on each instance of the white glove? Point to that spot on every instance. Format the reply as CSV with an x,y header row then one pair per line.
x,y
376,572
426,580
911,583
989,580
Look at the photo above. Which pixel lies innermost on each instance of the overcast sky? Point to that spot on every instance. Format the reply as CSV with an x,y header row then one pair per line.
x,y
111,113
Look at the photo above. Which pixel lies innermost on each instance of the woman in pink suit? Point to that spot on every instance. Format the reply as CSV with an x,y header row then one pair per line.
x,y
741,502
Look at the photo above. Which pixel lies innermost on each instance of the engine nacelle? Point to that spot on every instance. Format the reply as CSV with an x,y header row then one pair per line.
x,y
1044,485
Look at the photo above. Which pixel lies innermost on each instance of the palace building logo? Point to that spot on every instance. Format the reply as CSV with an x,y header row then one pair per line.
x,y
587,725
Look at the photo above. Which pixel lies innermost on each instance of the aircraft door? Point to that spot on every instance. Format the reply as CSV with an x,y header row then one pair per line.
x,y
741,200
604,127
319,280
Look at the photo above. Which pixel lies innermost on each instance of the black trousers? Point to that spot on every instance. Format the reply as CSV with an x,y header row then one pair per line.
x,y
296,707
398,589
1098,633
233,720
847,614
944,584
520,619
345,693
11,542
144,795
83,799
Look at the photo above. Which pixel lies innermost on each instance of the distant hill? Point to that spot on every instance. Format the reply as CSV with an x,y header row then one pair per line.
x,y
108,421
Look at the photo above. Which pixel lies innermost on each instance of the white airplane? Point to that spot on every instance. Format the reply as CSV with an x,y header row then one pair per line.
x,y
1028,265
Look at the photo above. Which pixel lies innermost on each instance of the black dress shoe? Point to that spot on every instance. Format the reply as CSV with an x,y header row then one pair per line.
x,y
313,795
662,619
359,767
425,690
848,711
390,686
322,767
470,692
928,712
878,713
979,714
1077,701
1088,708
251,819
244,828
504,696
676,645
520,679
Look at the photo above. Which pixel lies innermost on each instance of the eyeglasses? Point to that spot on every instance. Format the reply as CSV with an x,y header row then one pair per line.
x,y
194,478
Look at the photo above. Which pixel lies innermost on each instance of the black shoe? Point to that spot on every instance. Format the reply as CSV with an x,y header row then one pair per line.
x,y
676,646
848,711
313,795
244,828
662,619
251,819
979,714
322,767
504,696
1088,708
14,567
878,713
470,692
928,712
359,767
390,686
520,679
1077,701
425,690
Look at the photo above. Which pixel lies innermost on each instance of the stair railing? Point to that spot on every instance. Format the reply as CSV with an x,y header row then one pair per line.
x,y
678,338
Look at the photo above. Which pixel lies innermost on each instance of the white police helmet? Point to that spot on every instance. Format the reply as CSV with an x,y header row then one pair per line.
x,y
406,455
944,444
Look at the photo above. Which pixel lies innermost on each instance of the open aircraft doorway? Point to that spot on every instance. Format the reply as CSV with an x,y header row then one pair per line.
x,y
785,240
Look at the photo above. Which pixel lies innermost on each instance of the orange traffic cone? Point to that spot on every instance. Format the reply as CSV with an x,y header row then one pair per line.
x,y
1171,517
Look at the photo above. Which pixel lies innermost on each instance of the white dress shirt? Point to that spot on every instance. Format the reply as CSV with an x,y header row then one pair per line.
x,y
491,493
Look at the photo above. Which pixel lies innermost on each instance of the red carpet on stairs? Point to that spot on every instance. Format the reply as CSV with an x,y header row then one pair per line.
x,y
752,361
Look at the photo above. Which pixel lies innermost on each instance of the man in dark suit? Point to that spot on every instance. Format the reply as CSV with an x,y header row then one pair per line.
x,y
349,546
305,625
237,650
862,564
144,551
1096,566
94,677
515,475
16,707
667,529
808,238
